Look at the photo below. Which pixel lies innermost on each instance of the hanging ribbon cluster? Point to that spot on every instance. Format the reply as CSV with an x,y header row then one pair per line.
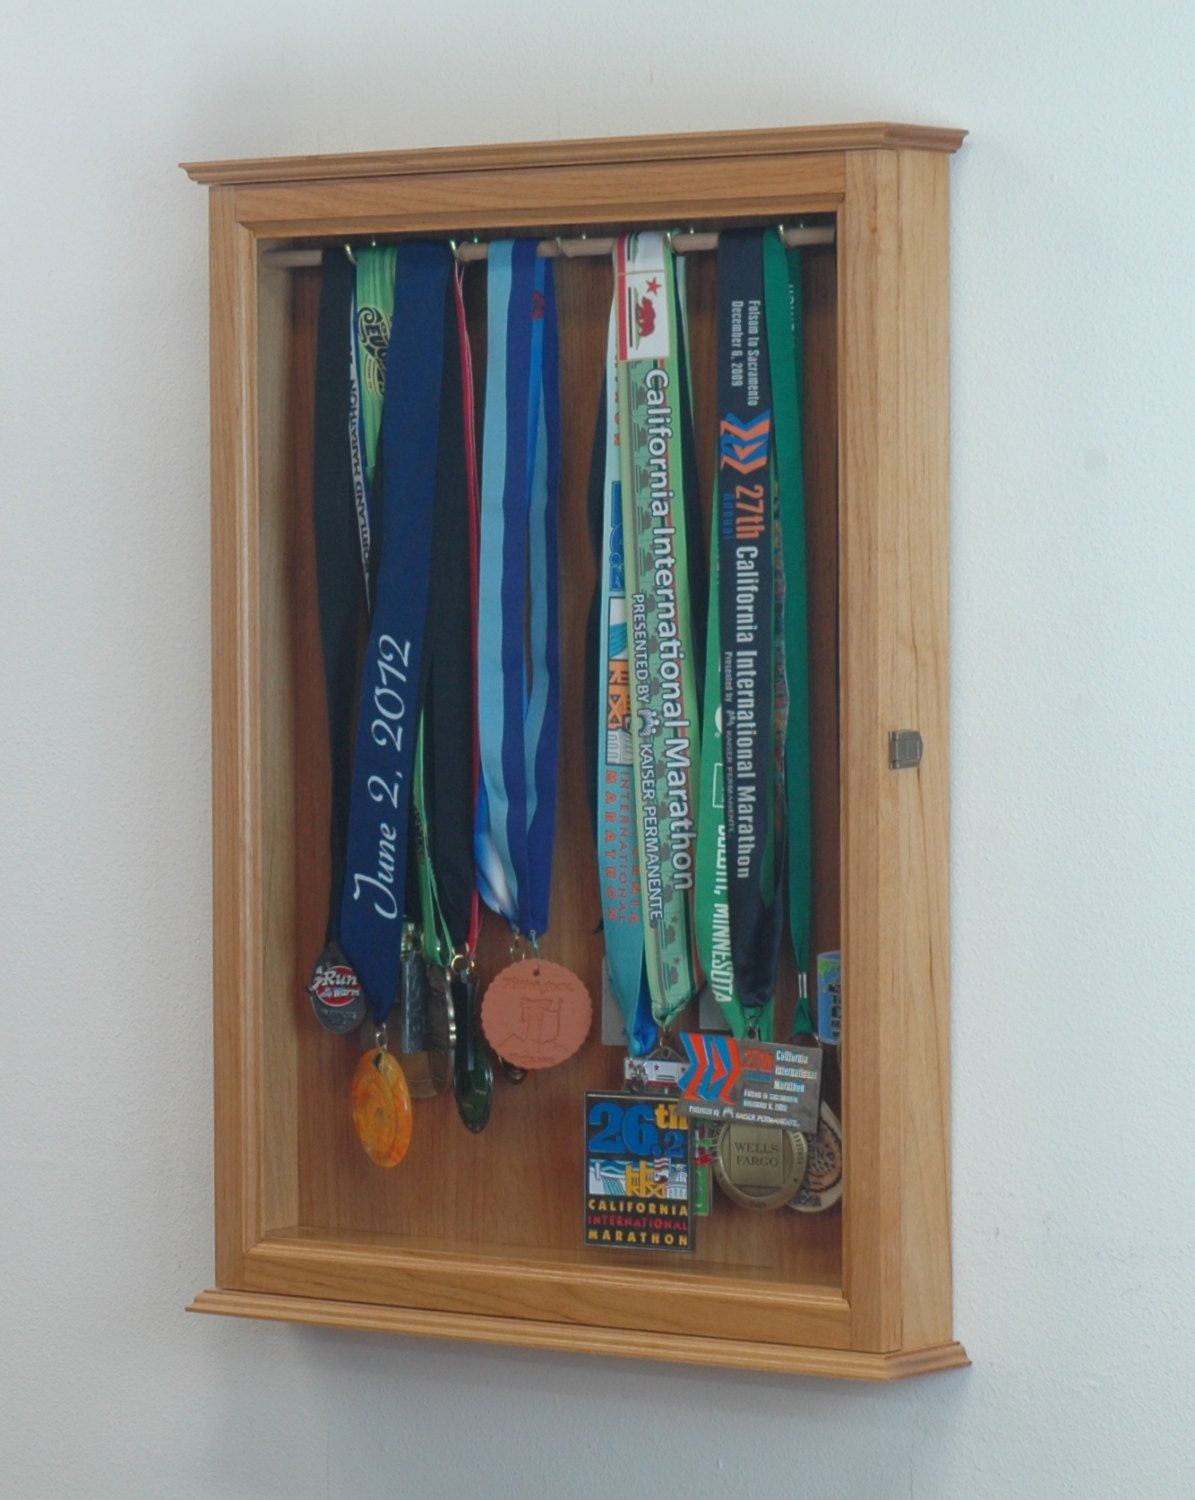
x,y
444,714
444,737
703,804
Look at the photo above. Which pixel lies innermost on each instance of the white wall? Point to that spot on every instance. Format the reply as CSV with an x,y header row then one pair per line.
x,y
1073,631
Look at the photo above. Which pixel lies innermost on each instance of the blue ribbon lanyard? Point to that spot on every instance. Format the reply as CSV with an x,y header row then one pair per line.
x,y
374,893
519,636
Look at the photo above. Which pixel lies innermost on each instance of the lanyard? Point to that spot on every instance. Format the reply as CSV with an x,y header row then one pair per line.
x,y
473,494
373,312
785,324
611,734
747,603
664,708
444,783
337,549
374,893
373,307
518,652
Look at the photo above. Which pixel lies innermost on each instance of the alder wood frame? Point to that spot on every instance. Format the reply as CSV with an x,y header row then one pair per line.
x,y
887,189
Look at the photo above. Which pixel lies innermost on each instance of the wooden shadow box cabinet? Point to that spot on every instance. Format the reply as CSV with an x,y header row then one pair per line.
x,y
480,1237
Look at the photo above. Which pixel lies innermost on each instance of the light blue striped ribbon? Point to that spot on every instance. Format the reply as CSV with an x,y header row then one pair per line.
x,y
518,648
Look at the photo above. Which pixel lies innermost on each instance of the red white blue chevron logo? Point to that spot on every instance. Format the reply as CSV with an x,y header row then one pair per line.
x,y
745,448
714,1067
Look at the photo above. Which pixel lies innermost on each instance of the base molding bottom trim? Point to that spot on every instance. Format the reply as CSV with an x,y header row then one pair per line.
x,y
687,1349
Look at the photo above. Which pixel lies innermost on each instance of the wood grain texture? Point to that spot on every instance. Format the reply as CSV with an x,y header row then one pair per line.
x,y
237,896
525,1172
895,503
481,1236
281,429
559,200
688,1349
608,151
634,1291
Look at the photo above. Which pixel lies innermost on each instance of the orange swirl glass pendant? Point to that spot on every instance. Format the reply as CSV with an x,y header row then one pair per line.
x,y
382,1111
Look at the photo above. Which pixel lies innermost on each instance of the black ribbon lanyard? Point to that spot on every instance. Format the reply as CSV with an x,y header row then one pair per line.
x,y
339,581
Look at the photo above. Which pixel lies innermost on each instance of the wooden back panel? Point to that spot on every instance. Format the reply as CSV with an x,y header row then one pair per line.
x,y
519,1184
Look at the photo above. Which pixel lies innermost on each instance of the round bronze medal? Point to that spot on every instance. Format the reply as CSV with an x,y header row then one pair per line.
x,y
760,1166
382,1107
822,1187
536,1013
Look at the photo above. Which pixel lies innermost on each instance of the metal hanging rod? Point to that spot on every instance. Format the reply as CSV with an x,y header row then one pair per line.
x,y
684,243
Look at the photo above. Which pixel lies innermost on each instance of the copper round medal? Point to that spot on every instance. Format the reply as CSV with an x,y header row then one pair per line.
x,y
822,1187
760,1166
536,1014
382,1107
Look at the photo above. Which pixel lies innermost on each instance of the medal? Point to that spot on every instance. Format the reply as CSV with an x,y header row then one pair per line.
x,y
760,1166
336,994
638,1174
536,1014
415,1061
473,1076
829,998
382,1105
822,1187
439,1037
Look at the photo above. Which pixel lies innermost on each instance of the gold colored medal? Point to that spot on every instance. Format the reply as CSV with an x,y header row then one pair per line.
x,y
760,1166
822,1187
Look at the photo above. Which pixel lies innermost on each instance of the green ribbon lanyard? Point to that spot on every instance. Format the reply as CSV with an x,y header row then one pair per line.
x,y
435,939
374,310
663,687
783,313
783,318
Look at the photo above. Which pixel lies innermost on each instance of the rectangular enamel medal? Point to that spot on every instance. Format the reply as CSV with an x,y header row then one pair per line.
x,y
757,1083
638,1174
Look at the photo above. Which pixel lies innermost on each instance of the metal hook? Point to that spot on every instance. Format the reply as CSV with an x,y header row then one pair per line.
x,y
348,250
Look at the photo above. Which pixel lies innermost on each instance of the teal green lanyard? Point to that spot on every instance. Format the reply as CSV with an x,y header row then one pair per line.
x,y
785,325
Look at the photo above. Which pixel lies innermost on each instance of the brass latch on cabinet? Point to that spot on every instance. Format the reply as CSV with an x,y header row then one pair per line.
x,y
904,749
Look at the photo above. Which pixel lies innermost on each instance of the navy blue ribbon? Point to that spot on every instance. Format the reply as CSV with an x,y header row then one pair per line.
x,y
373,898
